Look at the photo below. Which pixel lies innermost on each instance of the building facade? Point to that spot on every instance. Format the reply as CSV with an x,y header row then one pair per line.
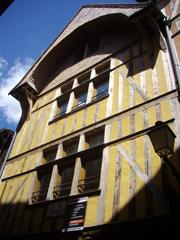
x,y
82,165
6,136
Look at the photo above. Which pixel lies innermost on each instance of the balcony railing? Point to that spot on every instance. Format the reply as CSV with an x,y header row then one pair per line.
x,y
62,190
88,183
39,196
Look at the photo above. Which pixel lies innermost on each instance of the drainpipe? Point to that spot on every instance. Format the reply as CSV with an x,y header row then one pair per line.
x,y
173,57
7,155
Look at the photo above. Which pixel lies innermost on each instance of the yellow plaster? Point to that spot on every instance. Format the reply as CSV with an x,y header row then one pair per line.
x,y
40,127
19,199
30,128
138,121
69,122
2,189
151,112
140,191
114,130
160,73
58,126
102,110
126,94
110,185
91,211
6,192
115,90
124,185
90,115
7,169
166,111
125,123
79,120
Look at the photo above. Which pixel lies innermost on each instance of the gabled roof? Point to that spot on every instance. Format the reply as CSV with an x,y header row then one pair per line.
x,y
85,14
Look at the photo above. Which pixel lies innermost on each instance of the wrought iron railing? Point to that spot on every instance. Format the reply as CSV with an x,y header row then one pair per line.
x,y
62,190
88,183
39,196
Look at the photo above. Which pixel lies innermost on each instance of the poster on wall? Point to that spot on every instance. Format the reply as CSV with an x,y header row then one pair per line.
x,y
75,214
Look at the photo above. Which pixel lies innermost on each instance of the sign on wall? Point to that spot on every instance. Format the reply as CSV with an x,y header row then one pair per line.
x,y
75,213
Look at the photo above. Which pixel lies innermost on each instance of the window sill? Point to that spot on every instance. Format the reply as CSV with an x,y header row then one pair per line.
x,y
65,198
79,108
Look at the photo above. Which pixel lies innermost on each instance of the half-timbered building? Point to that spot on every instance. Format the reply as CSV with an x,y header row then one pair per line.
x,y
82,165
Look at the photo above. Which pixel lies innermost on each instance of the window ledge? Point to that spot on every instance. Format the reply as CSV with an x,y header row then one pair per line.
x,y
79,108
65,198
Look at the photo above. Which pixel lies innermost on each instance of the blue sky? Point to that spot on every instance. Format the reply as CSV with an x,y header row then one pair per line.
x,y
27,28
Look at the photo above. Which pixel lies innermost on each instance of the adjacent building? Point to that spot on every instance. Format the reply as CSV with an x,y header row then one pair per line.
x,y
82,165
6,136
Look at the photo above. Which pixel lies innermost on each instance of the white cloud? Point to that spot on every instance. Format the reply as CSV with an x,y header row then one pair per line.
x,y
10,107
3,63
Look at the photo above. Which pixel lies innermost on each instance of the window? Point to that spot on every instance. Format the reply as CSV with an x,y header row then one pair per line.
x,y
90,173
80,99
41,186
101,89
65,181
62,107
91,162
101,83
66,172
50,154
70,147
95,138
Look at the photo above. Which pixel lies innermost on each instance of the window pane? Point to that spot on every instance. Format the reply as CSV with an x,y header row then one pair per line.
x,y
63,107
45,180
71,147
102,87
92,174
50,154
41,194
66,180
96,139
91,170
81,98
